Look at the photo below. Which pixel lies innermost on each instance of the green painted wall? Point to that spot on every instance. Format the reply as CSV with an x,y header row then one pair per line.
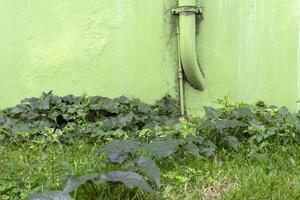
x,y
248,49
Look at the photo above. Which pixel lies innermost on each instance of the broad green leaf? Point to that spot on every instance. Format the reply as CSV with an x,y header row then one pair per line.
x,y
95,132
211,113
233,142
192,149
283,111
99,100
117,151
71,99
20,127
111,123
119,133
119,122
54,100
31,115
3,119
167,121
72,109
50,196
242,112
294,121
258,138
162,148
112,107
75,182
18,109
46,123
122,100
208,148
224,124
30,101
147,166
144,108
206,124
196,139
44,104
125,120
129,179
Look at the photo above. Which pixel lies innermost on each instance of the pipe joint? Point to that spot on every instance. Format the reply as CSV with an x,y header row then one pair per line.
x,y
180,76
187,10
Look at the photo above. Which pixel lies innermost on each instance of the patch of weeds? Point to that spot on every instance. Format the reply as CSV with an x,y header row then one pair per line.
x,y
101,148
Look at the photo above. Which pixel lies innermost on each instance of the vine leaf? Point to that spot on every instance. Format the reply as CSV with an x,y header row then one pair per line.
x,y
196,139
75,182
18,109
192,149
129,179
162,148
211,113
223,124
208,148
118,150
147,166
233,141
50,196
242,113
3,119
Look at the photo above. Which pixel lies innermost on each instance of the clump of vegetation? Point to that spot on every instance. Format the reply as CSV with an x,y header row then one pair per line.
x,y
69,117
133,138
254,127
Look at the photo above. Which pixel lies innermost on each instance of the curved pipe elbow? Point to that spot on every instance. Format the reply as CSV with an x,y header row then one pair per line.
x,y
187,31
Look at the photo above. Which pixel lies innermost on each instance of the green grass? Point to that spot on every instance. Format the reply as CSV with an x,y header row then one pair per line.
x,y
44,141
229,175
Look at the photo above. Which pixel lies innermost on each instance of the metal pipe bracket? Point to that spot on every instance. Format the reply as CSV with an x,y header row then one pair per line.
x,y
188,9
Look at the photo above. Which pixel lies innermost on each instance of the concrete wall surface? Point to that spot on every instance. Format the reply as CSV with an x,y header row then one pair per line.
x,y
249,50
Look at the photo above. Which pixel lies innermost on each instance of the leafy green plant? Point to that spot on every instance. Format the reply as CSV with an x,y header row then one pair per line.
x,y
251,126
136,137
129,179
74,117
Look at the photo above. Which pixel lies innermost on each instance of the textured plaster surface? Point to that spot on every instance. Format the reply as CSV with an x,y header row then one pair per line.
x,y
248,49
102,47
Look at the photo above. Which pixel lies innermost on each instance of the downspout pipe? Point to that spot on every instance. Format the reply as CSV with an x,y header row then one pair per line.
x,y
187,11
180,79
